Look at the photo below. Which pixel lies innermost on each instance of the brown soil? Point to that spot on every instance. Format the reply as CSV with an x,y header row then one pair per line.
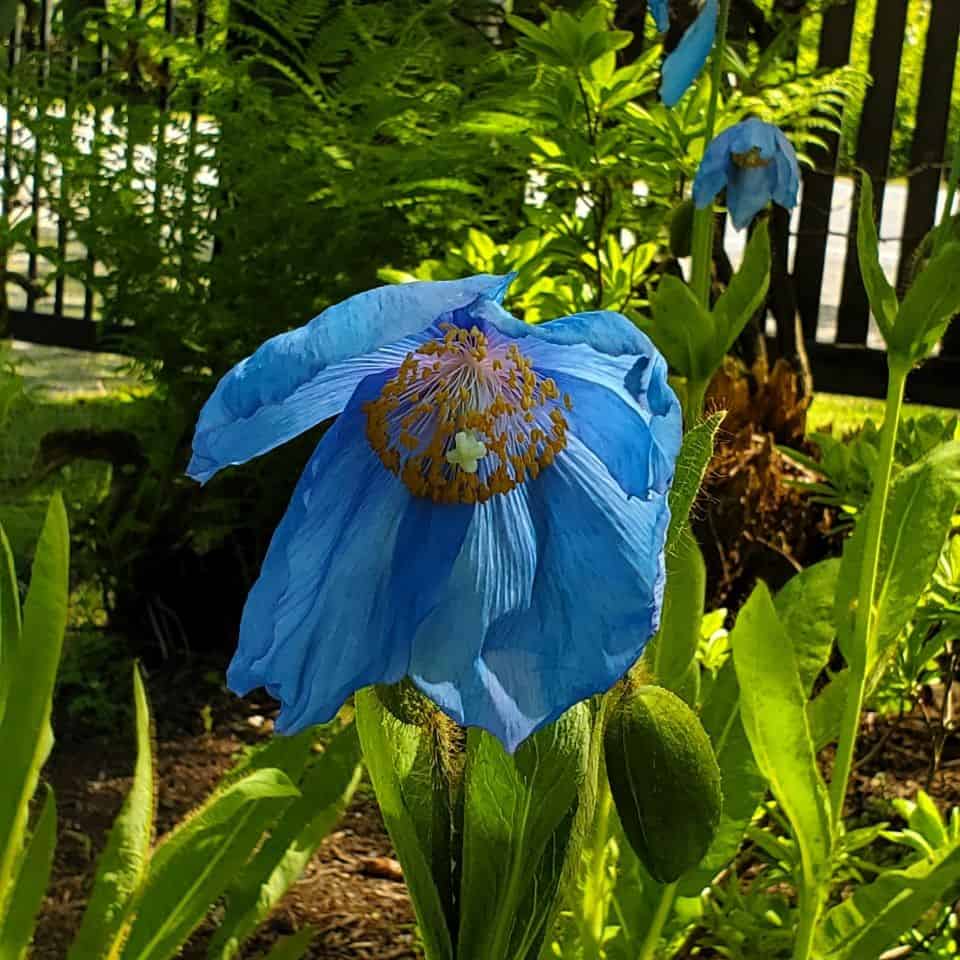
x,y
352,891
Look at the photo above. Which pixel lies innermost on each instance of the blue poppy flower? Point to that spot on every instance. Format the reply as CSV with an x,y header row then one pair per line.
x,y
683,65
756,163
660,11
486,516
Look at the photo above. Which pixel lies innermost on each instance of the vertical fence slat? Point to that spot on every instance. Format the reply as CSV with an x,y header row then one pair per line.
x,y
62,222
873,153
930,135
836,36
44,48
102,64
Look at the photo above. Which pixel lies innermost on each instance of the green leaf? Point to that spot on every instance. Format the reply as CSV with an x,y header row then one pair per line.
x,y
825,711
195,863
746,292
684,330
920,508
392,751
874,916
325,791
16,928
692,463
806,605
741,781
293,947
518,814
25,733
931,302
672,653
8,16
882,296
123,864
773,707
9,620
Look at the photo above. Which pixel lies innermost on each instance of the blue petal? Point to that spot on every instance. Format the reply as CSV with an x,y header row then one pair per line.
x,y
298,379
660,10
328,614
750,189
578,602
788,172
683,65
714,170
623,407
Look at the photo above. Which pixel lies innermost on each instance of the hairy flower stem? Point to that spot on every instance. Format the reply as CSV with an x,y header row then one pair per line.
x,y
694,398
865,615
702,243
648,950
595,901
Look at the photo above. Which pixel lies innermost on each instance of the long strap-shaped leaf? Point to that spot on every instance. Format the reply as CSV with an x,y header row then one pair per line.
x,y
195,864
25,732
17,929
324,794
123,864
9,620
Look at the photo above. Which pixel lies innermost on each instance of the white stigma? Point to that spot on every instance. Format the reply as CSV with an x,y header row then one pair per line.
x,y
467,451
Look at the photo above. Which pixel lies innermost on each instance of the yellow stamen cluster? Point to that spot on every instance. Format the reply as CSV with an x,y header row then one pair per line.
x,y
751,158
509,418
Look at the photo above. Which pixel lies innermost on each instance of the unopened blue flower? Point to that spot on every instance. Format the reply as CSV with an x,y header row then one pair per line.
x,y
756,163
487,515
660,11
684,64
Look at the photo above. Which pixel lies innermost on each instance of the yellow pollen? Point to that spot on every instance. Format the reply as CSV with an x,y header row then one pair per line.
x,y
466,418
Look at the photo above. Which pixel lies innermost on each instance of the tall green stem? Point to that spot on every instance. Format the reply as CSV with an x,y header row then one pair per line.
x,y
865,619
807,926
702,243
648,949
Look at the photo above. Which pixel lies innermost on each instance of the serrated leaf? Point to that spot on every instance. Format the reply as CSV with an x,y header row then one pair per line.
x,y
932,301
16,928
746,292
390,751
773,707
920,507
325,791
518,815
882,296
874,916
25,733
806,606
195,863
123,864
683,330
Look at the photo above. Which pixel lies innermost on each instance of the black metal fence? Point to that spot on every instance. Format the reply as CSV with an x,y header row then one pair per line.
x,y
818,255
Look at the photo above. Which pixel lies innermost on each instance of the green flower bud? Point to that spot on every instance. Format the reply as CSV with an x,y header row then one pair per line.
x,y
664,778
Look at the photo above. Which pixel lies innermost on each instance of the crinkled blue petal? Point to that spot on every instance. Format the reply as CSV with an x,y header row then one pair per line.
x,y
298,379
330,613
750,189
660,10
555,594
788,172
684,64
714,170
623,407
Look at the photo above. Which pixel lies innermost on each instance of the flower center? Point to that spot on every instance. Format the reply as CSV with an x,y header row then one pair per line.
x,y
467,417
751,158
